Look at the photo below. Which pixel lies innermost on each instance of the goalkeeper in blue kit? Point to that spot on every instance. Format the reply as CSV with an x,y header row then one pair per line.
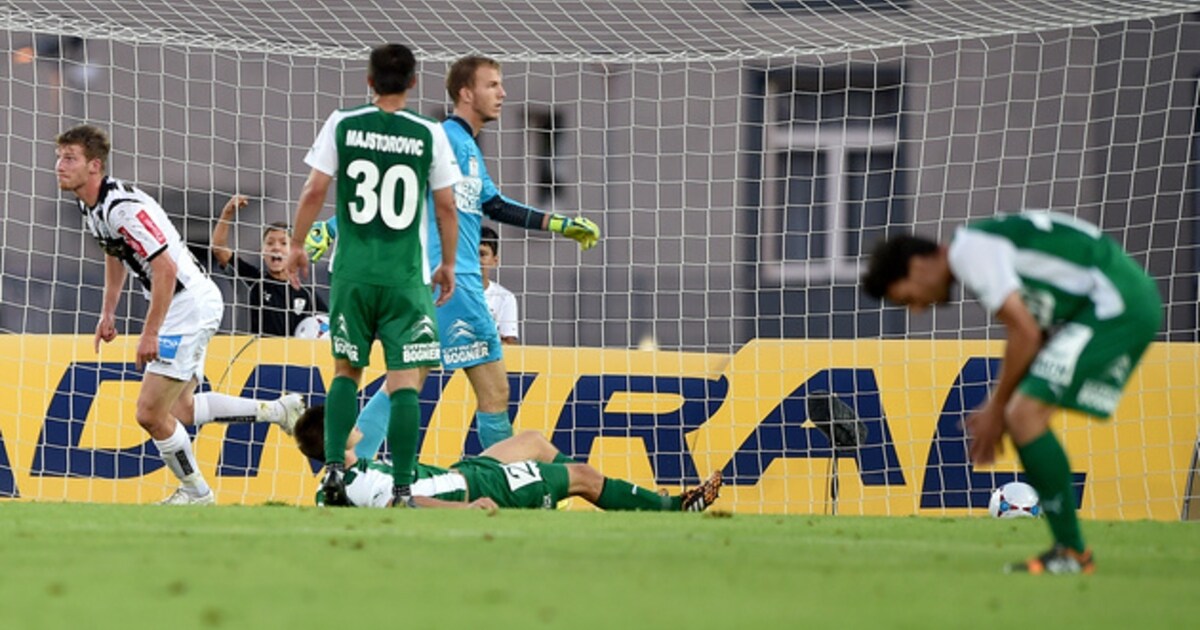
x,y
467,331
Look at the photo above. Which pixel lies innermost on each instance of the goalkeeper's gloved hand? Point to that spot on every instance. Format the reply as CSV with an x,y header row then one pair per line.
x,y
579,229
318,241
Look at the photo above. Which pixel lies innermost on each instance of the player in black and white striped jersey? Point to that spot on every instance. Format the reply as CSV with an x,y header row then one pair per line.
x,y
184,313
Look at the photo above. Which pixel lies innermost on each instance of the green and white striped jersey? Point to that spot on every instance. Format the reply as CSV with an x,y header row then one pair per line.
x,y
1060,265
369,484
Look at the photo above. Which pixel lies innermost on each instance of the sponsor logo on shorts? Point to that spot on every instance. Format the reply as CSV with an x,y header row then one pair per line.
x,y
424,329
1055,372
168,347
460,330
1056,362
462,354
341,325
422,352
344,347
1118,370
1099,396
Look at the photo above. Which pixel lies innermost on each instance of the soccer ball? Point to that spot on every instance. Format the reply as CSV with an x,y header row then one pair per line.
x,y
313,327
1015,499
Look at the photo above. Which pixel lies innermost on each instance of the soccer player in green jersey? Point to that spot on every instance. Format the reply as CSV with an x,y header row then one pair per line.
x,y
470,339
523,471
386,160
1078,313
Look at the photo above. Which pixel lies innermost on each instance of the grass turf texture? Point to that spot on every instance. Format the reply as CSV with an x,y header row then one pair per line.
x,y
110,566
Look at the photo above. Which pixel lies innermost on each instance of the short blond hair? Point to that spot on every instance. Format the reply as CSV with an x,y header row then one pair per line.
x,y
462,73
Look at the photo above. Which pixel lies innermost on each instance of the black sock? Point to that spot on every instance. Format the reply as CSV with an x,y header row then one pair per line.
x,y
402,495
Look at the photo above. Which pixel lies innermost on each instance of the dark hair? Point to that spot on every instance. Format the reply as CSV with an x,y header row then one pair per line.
x,y
391,69
489,237
889,262
462,73
310,432
94,141
276,226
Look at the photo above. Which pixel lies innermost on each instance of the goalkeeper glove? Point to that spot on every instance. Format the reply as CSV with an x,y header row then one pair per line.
x,y
579,229
318,240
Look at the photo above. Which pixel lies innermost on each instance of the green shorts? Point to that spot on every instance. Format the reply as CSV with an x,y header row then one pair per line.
x,y
401,318
526,484
1085,364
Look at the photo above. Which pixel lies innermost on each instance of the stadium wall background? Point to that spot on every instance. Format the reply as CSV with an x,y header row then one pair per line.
x,y
667,157
662,419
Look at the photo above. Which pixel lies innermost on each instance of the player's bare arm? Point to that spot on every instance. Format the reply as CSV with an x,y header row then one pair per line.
x,y
312,198
446,213
220,235
114,279
482,503
986,425
162,290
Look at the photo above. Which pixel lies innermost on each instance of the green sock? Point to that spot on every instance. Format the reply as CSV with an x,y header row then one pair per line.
x,y
341,408
1049,472
404,428
618,494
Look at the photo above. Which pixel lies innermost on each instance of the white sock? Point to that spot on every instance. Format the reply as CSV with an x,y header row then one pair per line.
x,y
213,407
176,452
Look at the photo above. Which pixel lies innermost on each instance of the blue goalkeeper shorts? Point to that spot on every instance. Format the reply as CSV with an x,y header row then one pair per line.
x,y
467,330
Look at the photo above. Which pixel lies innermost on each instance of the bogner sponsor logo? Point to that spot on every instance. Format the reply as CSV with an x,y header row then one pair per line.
x,y
343,346
422,352
469,352
1099,396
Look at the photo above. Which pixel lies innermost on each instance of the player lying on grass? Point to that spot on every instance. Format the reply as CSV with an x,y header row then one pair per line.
x,y
524,471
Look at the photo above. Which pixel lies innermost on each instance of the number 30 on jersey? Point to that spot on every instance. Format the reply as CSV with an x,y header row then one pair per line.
x,y
379,197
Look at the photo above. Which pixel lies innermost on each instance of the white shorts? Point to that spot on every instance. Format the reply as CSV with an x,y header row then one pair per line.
x,y
192,320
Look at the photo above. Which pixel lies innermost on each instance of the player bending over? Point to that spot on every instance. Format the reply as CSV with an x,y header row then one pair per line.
x,y
1078,312
524,471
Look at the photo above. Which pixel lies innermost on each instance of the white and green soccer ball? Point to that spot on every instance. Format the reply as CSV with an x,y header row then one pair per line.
x,y
313,327
1015,499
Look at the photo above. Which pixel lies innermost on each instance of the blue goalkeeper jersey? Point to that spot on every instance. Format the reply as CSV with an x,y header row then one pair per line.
x,y
471,193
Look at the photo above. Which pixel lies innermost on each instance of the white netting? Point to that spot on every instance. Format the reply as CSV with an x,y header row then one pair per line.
x,y
566,30
740,158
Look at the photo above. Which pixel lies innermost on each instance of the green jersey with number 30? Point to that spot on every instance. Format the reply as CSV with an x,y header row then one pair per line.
x,y
385,164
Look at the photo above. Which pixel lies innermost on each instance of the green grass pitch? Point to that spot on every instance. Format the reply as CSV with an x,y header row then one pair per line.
x,y
113,566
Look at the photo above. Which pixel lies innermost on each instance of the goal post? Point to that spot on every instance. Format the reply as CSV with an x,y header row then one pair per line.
x,y
741,159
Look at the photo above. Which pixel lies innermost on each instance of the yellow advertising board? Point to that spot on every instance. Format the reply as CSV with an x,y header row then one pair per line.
x,y
660,419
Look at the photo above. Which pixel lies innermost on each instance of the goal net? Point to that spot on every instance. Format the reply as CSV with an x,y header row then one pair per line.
x,y
740,157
